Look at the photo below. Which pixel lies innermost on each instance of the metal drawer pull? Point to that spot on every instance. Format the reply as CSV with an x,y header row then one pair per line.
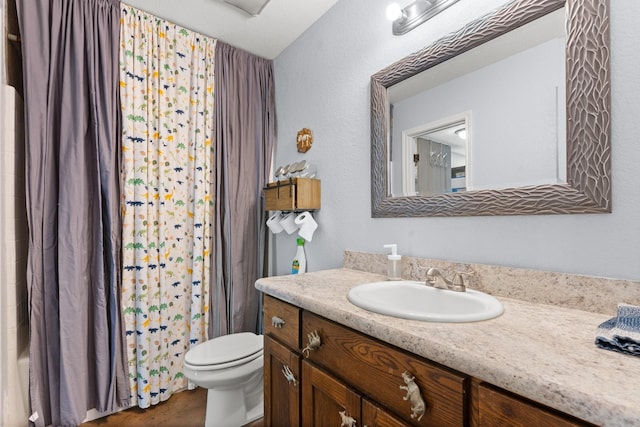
x,y
347,421
413,395
289,375
277,322
314,343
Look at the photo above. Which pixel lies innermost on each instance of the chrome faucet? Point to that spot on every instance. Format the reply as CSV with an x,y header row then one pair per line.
x,y
437,280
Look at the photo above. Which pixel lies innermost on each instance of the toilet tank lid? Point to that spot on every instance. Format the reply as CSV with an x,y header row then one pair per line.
x,y
224,349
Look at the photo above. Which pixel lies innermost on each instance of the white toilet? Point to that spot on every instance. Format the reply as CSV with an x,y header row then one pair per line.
x,y
230,367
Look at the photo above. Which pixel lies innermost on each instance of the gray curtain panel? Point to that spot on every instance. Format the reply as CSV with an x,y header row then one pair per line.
x,y
245,137
77,359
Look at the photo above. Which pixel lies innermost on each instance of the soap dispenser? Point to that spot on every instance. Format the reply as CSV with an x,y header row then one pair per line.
x,y
394,267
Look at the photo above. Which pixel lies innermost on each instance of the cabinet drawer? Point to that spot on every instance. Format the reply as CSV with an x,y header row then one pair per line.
x,y
376,369
498,408
282,321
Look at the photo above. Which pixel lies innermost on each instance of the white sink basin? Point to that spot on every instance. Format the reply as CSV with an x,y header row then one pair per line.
x,y
417,301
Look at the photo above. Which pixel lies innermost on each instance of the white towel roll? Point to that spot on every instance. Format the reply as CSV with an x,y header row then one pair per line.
x,y
274,222
307,225
288,223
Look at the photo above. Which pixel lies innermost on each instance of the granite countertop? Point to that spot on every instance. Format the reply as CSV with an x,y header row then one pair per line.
x,y
541,352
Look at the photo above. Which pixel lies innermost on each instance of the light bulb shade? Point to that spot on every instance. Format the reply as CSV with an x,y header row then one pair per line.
x,y
462,133
394,11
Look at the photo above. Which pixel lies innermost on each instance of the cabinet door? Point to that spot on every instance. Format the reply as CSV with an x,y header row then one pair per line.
x,y
498,408
375,416
281,395
380,371
325,400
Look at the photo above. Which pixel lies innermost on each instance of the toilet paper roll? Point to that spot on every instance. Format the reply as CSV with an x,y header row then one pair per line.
x,y
307,225
288,222
274,222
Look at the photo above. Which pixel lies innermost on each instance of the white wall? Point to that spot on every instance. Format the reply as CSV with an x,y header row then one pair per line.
x,y
322,83
516,93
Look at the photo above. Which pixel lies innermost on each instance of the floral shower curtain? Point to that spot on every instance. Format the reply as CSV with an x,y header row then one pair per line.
x,y
167,95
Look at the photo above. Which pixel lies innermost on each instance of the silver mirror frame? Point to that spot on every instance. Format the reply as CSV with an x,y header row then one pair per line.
x,y
588,187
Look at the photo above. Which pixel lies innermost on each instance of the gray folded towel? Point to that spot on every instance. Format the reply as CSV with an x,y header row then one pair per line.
x,y
621,333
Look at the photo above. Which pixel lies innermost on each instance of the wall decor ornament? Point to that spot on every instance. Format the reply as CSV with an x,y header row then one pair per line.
x,y
304,140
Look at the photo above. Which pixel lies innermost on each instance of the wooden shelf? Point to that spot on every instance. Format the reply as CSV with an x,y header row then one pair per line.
x,y
295,194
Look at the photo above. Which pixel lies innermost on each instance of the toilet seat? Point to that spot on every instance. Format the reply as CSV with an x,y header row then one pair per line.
x,y
225,352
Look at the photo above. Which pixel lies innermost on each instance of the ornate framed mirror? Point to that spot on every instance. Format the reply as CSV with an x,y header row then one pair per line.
x,y
586,187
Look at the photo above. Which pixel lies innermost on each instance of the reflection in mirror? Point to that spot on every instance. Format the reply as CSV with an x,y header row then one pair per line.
x,y
514,86
562,128
434,157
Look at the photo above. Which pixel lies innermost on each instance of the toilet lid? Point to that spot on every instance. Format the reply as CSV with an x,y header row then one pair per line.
x,y
225,349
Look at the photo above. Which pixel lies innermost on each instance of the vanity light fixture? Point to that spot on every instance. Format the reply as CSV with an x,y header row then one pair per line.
x,y
462,133
418,12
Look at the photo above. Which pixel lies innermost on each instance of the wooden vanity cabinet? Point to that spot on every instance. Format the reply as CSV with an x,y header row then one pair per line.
x,y
281,396
497,408
373,415
282,322
325,399
281,354
349,372
360,376
376,370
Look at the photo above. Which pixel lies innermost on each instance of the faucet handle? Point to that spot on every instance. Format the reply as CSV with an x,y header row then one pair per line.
x,y
432,271
432,274
458,280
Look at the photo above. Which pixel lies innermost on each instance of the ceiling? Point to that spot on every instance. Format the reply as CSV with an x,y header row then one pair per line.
x,y
266,35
